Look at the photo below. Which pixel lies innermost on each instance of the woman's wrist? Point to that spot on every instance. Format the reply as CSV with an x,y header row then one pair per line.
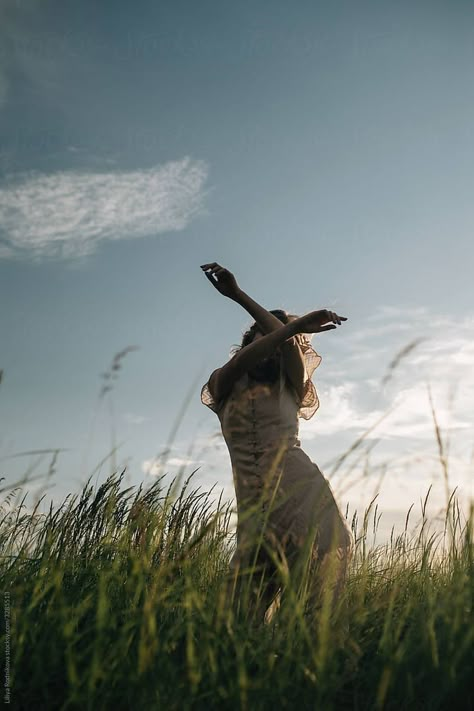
x,y
297,326
293,329
237,295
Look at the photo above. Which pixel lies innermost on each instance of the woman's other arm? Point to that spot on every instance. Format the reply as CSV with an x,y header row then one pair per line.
x,y
224,281
223,379
292,356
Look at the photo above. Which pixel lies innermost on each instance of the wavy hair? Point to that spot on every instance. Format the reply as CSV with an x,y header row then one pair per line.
x,y
249,334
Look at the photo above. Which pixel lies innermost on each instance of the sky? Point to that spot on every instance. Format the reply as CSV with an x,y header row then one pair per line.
x,y
323,152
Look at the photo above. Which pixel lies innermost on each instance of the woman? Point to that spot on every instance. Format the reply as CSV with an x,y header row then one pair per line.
x,y
287,516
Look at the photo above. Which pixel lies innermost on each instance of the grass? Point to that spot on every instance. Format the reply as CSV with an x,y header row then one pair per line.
x,y
116,602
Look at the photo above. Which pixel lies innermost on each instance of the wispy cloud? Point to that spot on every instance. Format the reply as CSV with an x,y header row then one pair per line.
x,y
157,467
399,458
6,251
357,393
67,214
400,455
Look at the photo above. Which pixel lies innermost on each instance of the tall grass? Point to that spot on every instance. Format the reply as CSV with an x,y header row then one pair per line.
x,y
117,602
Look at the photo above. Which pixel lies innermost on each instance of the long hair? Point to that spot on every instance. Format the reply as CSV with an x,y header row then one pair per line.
x,y
248,335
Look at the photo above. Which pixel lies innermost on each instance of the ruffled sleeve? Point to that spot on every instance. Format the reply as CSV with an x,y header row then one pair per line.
x,y
206,396
310,402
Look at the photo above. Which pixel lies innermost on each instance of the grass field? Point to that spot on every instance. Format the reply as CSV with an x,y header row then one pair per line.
x,y
114,600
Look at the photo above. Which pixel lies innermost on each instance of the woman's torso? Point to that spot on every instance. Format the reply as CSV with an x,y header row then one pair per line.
x,y
259,423
260,426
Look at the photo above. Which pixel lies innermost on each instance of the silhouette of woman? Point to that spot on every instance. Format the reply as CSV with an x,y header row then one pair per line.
x,y
287,517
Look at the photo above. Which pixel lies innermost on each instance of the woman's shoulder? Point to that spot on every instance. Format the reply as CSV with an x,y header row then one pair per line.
x,y
210,395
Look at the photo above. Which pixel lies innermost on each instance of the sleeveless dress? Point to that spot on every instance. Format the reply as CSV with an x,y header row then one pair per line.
x,y
279,490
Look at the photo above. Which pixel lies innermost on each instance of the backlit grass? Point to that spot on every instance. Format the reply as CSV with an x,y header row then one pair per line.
x,y
116,602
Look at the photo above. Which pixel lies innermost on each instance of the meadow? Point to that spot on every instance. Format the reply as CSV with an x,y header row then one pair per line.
x,y
115,601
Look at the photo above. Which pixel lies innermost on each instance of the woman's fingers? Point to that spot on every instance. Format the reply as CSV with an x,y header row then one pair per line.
x,y
330,316
209,266
212,266
214,269
335,318
209,276
221,278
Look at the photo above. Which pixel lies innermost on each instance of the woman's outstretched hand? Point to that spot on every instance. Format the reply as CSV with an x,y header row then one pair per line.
x,y
318,321
222,279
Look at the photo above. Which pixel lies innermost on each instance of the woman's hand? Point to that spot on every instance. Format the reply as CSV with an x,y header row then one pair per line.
x,y
222,279
318,321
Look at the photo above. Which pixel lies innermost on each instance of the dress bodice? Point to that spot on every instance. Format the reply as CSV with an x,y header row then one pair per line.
x,y
259,423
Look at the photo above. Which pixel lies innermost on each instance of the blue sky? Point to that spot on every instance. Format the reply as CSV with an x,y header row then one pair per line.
x,y
323,152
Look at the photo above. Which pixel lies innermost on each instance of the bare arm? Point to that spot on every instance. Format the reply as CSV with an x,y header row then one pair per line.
x,y
223,379
292,356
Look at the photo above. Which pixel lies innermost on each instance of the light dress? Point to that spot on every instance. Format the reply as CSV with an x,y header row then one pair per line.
x,y
282,496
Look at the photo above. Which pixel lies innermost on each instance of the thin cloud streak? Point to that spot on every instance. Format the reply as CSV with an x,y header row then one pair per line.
x,y
445,362
155,467
68,214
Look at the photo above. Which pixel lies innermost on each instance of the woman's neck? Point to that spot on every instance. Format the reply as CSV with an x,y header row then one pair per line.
x,y
267,371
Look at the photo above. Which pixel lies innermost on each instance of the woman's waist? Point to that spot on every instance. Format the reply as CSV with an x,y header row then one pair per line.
x,y
253,445
269,433
256,464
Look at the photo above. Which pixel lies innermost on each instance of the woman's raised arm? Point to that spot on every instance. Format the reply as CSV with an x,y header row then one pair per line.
x,y
224,281
293,361
224,378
